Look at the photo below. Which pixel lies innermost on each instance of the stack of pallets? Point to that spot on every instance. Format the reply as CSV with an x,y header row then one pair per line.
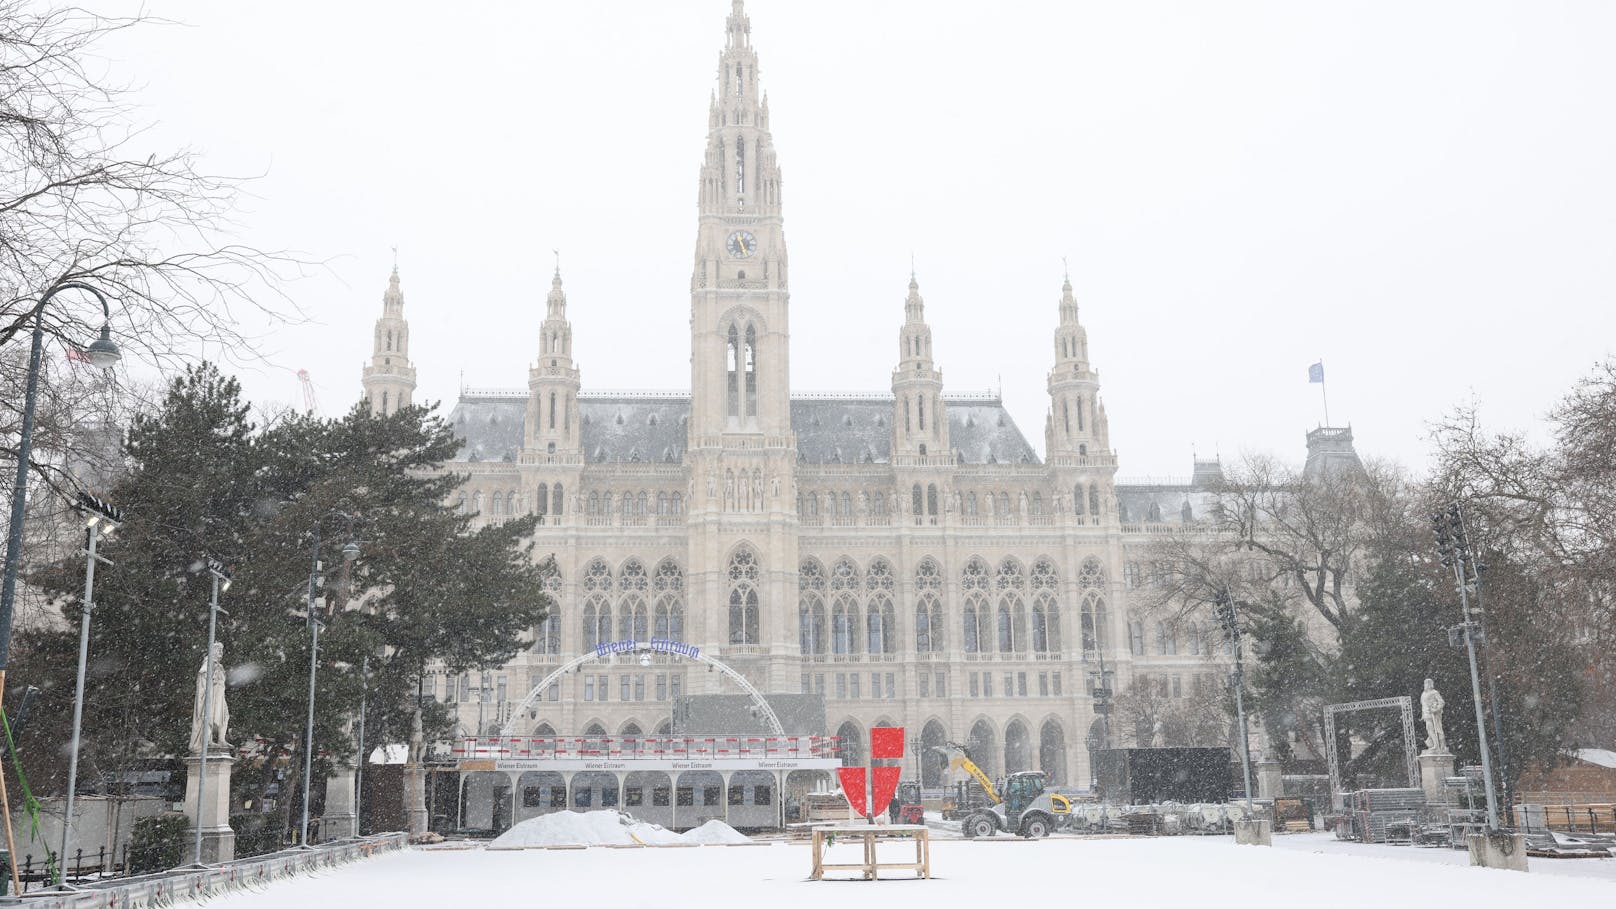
x,y
1374,809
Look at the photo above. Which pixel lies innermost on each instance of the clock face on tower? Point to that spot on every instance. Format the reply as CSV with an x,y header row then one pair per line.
x,y
741,244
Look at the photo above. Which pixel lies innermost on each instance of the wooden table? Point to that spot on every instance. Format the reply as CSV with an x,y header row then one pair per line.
x,y
868,835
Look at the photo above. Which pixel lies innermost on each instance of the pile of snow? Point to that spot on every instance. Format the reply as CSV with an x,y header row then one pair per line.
x,y
1600,757
714,831
607,828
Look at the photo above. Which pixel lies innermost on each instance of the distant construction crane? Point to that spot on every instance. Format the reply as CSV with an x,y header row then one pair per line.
x,y
310,403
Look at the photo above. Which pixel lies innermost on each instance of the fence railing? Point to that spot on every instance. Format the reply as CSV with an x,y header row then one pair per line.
x,y
645,747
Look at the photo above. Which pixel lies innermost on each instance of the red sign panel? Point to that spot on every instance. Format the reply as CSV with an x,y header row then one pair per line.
x,y
853,787
886,742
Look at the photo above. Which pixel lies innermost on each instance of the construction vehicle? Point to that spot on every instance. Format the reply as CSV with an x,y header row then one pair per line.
x,y
907,807
1019,805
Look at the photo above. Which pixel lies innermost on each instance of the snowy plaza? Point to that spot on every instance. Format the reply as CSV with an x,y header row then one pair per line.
x,y
1204,871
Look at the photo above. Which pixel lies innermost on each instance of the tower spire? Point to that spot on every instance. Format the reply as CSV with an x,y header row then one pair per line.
x,y
553,382
389,378
919,424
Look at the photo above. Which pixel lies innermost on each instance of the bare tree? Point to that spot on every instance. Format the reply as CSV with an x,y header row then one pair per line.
x,y
82,200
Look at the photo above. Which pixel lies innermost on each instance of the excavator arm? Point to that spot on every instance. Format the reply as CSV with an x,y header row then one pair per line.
x,y
962,760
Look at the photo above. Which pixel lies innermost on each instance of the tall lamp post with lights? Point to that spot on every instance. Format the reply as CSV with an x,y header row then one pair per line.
x,y
98,514
103,353
1453,546
1230,620
350,552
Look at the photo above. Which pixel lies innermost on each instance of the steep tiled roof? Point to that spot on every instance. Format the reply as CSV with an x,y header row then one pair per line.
x,y
651,428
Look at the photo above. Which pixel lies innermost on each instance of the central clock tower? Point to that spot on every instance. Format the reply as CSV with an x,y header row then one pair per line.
x,y
742,454
739,351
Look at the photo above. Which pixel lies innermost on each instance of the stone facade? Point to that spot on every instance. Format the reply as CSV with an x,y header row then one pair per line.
x,y
906,553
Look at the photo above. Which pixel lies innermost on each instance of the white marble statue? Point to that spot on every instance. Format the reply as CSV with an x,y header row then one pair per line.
x,y
417,739
215,723
1431,703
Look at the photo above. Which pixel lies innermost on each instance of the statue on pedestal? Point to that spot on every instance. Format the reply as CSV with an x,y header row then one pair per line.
x,y
1431,704
214,723
417,739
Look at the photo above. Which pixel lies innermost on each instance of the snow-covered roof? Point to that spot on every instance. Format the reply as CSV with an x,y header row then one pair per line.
x,y
1599,756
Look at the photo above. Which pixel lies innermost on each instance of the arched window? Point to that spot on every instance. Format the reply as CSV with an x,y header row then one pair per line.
x,y
547,637
1094,499
751,371
845,616
931,499
847,505
922,402
732,391
1091,581
928,607
811,608
632,616
669,589
743,597
919,501
1012,611
978,623
542,500
593,506
970,504
881,617
1046,619
1004,504
597,611
552,410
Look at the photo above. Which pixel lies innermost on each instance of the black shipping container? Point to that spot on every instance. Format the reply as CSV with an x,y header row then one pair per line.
x,y
1144,776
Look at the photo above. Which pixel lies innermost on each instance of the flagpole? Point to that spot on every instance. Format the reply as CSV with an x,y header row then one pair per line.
x,y
1325,395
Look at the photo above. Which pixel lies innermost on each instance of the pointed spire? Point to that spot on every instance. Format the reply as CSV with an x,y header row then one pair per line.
x,y
738,25
556,302
914,308
1068,303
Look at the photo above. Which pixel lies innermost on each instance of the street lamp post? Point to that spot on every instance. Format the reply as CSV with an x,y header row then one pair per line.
x,y
1453,545
96,513
1231,626
349,553
103,353
221,582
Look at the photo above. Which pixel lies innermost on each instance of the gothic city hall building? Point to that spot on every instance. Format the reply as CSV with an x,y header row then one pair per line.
x,y
906,554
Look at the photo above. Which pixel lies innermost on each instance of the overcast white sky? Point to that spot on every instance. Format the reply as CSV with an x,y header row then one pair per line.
x,y
1420,193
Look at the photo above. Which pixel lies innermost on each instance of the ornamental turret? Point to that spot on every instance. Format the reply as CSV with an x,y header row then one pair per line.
x,y
552,403
919,421
389,378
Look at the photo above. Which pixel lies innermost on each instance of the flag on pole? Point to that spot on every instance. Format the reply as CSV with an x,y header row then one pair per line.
x,y
1315,373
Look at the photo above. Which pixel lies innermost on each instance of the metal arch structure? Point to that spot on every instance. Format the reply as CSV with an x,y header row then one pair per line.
x,y
645,648
1404,705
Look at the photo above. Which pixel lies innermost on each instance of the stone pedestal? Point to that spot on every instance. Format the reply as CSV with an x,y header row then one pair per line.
x,y
415,798
1254,832
1498,850
339,822
1434,768
1270,779
218,839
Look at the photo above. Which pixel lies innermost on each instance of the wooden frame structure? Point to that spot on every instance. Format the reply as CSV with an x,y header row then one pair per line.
x,y
869,835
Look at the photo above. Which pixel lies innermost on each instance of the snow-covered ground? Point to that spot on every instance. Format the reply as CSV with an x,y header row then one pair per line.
x,y
1314,871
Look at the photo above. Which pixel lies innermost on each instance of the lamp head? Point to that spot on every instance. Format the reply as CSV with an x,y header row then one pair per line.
x,y
350,551
102,352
